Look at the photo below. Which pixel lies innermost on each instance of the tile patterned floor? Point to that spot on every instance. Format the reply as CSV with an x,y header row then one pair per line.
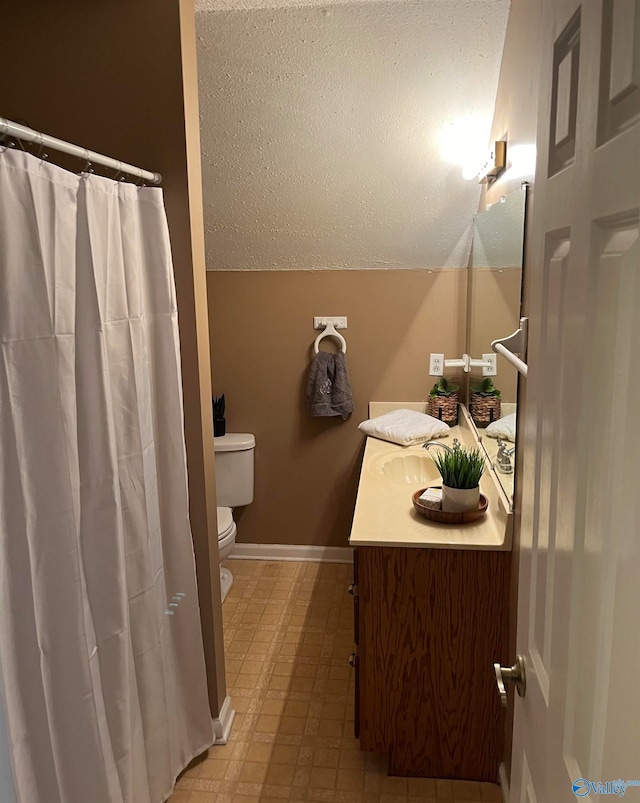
x,y
288,635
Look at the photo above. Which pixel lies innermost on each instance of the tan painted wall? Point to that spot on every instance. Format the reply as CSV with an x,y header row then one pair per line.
x,y
109,76
261,334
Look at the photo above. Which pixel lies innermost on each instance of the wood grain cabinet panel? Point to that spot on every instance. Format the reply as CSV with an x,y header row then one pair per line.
x,y
431,624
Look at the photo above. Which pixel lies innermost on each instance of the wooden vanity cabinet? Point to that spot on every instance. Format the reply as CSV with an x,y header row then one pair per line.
x,y
429,624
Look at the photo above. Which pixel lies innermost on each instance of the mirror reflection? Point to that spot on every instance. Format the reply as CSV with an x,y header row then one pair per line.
x,y
495,282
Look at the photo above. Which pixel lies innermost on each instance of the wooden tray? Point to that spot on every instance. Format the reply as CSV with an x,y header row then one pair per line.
x,y
445,517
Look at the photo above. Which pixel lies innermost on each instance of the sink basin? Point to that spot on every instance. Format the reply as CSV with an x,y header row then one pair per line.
x,y
410,469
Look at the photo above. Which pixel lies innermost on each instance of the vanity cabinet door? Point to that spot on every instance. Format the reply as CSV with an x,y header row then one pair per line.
x,y
432,622
353,590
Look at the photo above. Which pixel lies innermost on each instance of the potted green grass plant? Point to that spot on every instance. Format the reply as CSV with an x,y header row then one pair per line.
x,y
460,469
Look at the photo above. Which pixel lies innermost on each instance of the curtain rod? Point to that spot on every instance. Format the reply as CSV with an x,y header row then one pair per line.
x,y
22,132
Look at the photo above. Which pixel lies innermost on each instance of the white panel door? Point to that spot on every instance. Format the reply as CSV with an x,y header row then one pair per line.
x,y
579,587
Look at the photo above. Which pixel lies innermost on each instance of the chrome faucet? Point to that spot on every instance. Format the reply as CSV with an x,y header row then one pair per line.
x,y
505,466
428,444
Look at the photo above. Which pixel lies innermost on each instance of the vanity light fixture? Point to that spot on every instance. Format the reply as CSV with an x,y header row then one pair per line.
x,y
495,163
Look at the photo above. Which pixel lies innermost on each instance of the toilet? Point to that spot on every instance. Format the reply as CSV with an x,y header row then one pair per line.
x,y
234,488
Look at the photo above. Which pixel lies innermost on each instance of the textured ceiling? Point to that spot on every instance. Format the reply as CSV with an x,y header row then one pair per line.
x,y
333,135
244,5
203,6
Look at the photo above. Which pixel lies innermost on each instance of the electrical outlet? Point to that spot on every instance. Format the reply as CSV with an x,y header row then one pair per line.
x,y
436,364
339,321
489,370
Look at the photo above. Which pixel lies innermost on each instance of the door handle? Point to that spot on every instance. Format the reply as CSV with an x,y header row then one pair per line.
x,y
511,674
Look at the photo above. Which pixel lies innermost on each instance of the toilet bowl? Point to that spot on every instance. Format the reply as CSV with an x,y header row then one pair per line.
x,y
226,539
234,488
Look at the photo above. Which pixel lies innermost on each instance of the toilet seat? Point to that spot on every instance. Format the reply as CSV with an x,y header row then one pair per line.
x,y
226,541
225,522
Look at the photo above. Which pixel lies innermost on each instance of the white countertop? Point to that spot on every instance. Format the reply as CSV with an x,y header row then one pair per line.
x,y
384,513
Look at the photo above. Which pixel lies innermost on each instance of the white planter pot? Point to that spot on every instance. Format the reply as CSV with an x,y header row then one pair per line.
x,y
457,500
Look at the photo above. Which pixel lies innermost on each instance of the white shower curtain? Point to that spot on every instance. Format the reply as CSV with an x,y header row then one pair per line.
x,y
100,642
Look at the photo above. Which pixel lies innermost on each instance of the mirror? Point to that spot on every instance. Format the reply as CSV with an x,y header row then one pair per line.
x,y
495,283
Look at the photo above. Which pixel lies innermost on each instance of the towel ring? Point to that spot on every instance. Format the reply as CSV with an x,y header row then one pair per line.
x,y
330,331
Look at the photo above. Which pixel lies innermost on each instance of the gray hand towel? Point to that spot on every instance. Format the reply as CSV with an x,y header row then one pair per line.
x,y
328,386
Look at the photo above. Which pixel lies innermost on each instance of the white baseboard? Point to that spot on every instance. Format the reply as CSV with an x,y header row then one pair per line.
x,y
222,724
293,552
504,782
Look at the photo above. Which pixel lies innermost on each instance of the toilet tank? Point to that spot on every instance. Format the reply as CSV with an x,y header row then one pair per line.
x,y
234,468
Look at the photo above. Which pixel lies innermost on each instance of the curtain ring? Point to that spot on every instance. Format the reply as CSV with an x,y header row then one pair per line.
x,y
87,165
41,155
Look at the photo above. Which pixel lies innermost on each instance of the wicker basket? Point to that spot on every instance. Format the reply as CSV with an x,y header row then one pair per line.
x,y
445,408
484,409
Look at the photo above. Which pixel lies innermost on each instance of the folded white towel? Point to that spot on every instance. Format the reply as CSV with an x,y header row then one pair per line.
x,y
405,427
503,428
